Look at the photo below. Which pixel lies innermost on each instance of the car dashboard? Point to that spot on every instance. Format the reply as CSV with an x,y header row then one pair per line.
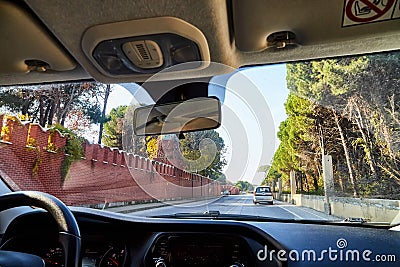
x,y
110,239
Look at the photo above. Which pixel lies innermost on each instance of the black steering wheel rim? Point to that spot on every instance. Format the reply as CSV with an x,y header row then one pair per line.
x,y
68,230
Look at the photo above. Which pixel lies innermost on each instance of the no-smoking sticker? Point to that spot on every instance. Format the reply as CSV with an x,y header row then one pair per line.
x,y
369,11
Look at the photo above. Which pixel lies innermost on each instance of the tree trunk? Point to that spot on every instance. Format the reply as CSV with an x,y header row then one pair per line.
x,y
315,183
103,112
370,156
346,154
57,107
46,113
340,176
42,120
25,107
52,109
63,117
26,102
321,142
306,184
300,182
66,107
315,179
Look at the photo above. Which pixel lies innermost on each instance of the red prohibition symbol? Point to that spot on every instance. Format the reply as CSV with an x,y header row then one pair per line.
x,y
377,12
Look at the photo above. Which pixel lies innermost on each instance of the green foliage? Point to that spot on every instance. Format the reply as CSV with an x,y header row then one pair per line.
x,y
74,142
315,80
131,142
37,162
31,142
294,134
6,130
152,146
118,132
190,148
244,186
73,148
222,179
51,104
113,129
52,147
273,175
362,93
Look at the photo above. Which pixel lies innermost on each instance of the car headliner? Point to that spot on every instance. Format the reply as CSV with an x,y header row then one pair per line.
x,y
235,31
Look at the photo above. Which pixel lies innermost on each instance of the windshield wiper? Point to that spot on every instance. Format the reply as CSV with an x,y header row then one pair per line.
x,y
355,220
363,221
213,215
216,215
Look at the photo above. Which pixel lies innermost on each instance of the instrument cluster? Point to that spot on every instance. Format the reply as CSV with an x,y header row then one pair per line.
x,y
104,256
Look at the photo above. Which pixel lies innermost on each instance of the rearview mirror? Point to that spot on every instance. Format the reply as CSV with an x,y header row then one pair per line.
x,y
202,113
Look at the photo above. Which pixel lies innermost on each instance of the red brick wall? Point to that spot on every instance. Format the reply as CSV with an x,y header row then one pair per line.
x,y
103,175
232,190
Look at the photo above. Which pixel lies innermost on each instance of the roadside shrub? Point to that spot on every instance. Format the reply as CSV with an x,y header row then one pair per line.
x,y
73,149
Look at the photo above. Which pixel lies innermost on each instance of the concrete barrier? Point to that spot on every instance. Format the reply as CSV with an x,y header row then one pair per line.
x,y
375,210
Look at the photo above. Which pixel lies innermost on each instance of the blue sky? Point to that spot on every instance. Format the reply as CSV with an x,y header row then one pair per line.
x,y
258,120
271,80
251,114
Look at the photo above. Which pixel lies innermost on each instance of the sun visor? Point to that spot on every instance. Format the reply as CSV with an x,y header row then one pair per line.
x,y
261,25
26,46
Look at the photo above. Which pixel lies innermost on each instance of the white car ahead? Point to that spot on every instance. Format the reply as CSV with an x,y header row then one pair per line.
x,y
263,194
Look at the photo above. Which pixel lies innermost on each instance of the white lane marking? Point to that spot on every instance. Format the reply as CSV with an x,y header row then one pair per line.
x,y
235,206
305,209
291,212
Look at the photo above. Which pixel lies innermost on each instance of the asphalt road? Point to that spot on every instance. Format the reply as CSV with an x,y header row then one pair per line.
x,y
241,204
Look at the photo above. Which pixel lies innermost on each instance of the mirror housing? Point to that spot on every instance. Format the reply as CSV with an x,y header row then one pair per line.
x,y
201,113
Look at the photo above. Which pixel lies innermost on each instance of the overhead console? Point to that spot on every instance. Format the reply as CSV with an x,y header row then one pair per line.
x,y
139,48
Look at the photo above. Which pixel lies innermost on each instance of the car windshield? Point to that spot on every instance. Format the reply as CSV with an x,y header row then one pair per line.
x,y
322,136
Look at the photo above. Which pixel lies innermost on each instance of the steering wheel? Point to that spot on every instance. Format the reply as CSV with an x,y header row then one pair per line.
x,y
68,230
